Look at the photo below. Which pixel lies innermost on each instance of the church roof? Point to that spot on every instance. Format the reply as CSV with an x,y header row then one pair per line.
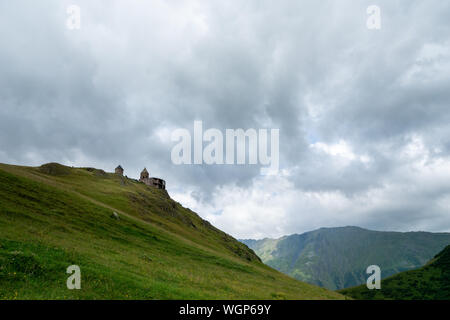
x,y
119,167
145,170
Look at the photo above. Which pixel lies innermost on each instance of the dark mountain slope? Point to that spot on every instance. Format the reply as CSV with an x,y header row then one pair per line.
x,y
431,282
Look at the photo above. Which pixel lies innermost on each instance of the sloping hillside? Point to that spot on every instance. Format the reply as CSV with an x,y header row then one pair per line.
x,y
54,216
431,282
337,258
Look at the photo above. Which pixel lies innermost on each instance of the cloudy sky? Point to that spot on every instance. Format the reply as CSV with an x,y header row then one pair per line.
x,y
363,114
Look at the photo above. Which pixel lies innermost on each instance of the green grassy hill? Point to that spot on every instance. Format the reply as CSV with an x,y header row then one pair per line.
x,y
431,282
337,258
54,216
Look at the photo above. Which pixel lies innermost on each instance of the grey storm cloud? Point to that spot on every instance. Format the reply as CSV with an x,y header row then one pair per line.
x,y
349,102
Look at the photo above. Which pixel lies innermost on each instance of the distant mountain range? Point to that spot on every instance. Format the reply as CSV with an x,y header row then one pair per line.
x,y
337,258
431,282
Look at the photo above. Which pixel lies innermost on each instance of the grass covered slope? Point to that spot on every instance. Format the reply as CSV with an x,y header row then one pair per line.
x,y
337,258
431,282
53,216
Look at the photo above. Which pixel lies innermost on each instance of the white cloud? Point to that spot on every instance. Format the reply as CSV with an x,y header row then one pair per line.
x,y
341,149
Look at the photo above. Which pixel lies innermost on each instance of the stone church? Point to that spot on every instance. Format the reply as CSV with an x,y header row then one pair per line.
x,y
119,170
145,178
152,182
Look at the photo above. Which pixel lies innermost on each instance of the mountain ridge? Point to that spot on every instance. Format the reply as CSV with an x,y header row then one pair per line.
x,y
338,228
336,258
